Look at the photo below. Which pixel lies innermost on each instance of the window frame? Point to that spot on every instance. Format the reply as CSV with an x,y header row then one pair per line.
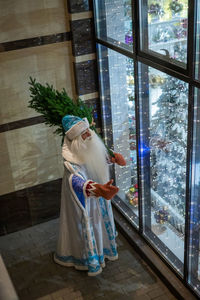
x,y
185,74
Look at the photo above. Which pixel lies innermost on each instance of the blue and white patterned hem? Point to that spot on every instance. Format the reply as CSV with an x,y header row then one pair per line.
x,y
69,263
72,262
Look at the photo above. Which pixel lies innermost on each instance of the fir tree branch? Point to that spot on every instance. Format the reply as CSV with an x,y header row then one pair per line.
x,y
54,105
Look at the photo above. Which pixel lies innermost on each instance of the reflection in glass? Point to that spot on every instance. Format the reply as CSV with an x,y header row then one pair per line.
x,y
194,247
164,140
114,22
164,26
118,104
197,68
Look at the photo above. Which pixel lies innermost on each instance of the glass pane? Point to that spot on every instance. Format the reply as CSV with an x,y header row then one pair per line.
x,y
164,26
118,105
114,22
194,247
197,69
163,110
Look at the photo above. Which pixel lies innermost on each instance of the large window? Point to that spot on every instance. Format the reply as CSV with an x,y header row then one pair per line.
x,y
115,22
148,56
118,107
164,109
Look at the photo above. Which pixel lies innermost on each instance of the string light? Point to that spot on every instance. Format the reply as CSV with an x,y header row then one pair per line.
x,y
163,142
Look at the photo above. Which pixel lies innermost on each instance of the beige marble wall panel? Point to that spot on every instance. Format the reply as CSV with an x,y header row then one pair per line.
x,y
49,63
6,178
22,19
35,156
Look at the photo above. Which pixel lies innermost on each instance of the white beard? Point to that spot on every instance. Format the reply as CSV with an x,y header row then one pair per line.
x,y
93,154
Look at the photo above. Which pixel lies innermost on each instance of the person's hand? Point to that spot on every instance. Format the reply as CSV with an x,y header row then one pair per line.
x,y
118,159
106,190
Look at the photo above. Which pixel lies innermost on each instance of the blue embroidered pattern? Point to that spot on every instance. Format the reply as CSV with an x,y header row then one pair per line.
x,y
108,226
77,184
93,262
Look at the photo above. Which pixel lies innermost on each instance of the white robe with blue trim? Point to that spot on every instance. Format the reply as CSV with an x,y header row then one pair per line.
x,y
87,231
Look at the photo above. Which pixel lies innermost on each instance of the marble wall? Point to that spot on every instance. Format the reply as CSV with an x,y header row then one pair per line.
x,y
22,19
29,156
47,63
34,41
52,42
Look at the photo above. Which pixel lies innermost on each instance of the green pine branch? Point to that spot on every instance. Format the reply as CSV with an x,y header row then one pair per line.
x,y
54,105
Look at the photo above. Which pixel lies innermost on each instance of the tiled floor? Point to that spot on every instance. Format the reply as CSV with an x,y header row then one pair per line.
x,y
28,257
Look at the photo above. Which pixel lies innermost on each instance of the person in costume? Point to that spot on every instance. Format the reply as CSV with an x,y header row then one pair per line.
x,y
87,230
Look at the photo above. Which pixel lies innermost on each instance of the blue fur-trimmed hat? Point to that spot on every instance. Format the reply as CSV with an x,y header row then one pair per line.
x,y
74,126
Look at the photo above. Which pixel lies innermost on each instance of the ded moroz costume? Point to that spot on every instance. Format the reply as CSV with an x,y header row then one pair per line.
x,y
87,230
